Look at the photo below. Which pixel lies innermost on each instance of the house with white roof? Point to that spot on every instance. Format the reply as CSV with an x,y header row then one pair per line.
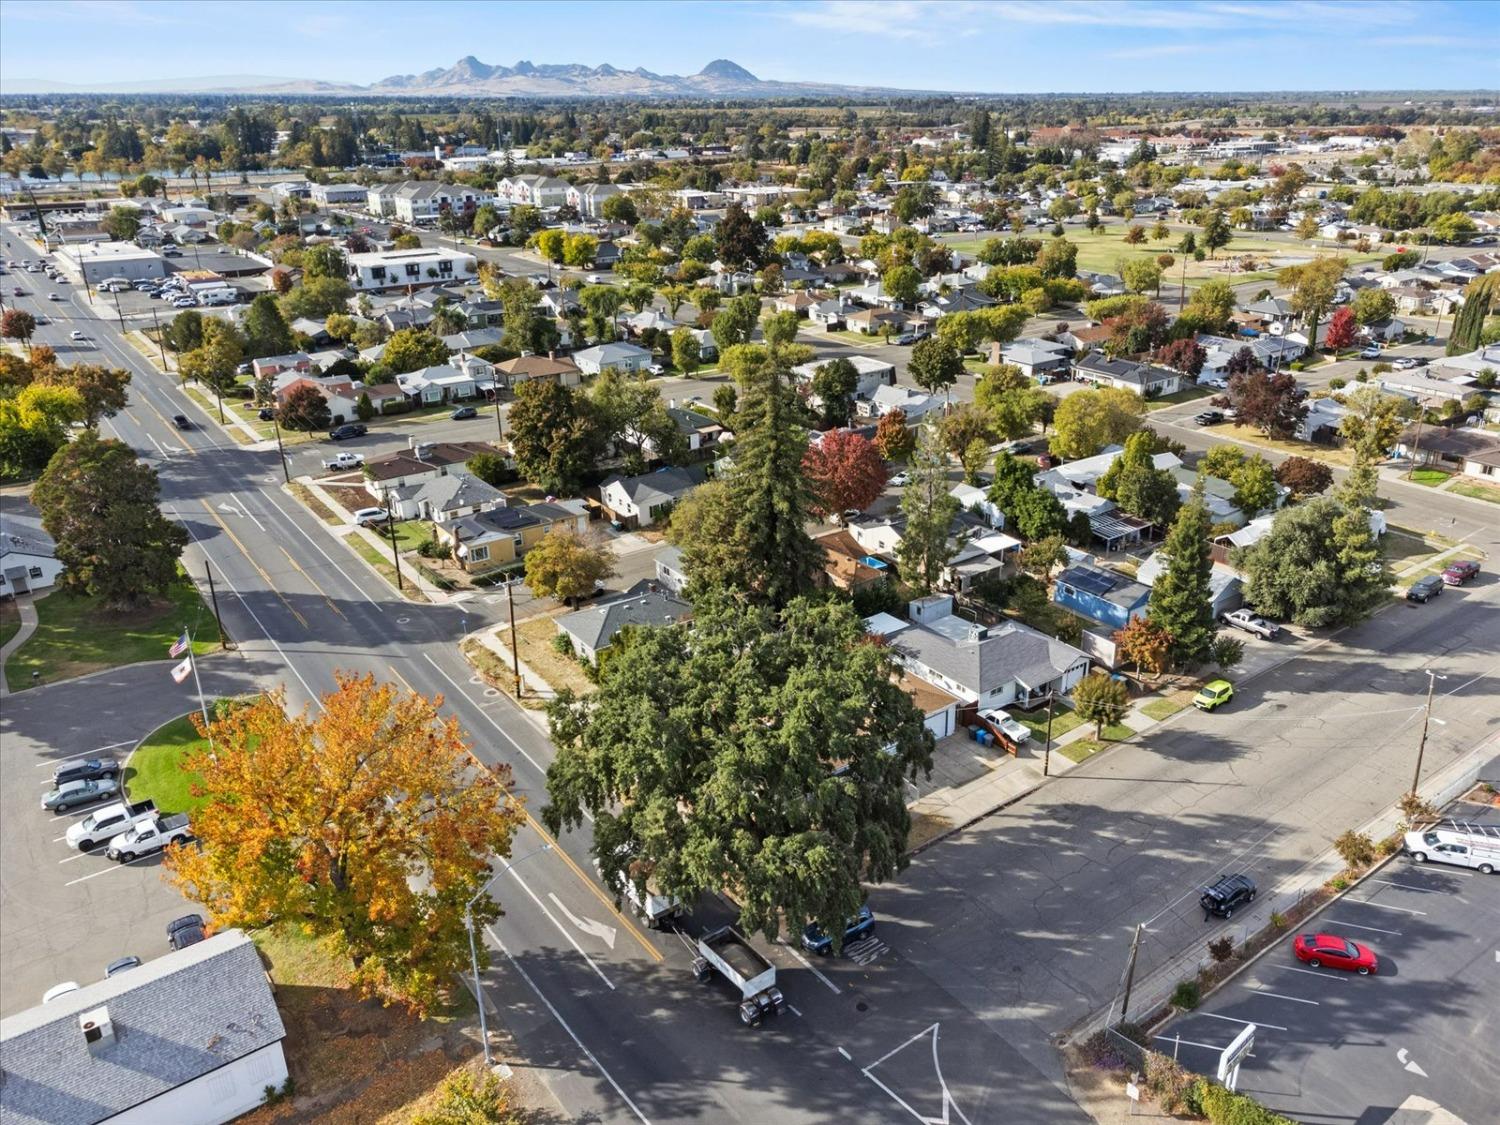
x,y
28,555
913,403
617,355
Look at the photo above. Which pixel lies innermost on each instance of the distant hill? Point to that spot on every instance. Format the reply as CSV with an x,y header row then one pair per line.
x,y
471,78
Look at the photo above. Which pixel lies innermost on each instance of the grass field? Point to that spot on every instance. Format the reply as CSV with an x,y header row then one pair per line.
x,y
1168,706
1187,394
155,771
1477,491
10,621
1430,477
76,635
1064,719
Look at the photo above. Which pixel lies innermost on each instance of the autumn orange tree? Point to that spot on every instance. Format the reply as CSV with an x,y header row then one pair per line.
x,y
1145,644
364,824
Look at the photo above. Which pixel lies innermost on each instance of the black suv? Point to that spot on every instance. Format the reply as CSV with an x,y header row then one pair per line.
x,y
185,931
85,770
1424,588
1226,896
348,430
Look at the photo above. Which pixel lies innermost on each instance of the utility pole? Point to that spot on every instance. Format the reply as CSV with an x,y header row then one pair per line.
x,y
1135,947
1047,751
1432,679
160,346
515,651
1416,446
213,597
390,523
280,449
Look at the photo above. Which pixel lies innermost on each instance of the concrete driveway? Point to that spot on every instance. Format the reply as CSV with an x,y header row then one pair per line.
x,y
65,915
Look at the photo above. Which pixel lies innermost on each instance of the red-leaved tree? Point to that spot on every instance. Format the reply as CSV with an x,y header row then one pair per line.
x,y
844,471
1341,329
1186,356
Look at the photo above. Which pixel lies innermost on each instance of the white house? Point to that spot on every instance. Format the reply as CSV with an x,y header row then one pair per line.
x,y
976,500
588,199
420,201
28,556
402,269
592,630
1145,379
873,373
1043,360
533,190
913,403
641,501
192,1037
339,195
618,355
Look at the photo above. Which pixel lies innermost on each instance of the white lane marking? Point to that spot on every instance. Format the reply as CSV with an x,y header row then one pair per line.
x,y
1357,926
841,1050
491,719
245,511
109,870
1403,886
1385,906
1193,1043
608,1077
1294,999
52,763
1315,973
598,929
165,455
324,553
795,1011
948,1103
224,578
1411,1066
1231,1019
1227,866
562,929
808,965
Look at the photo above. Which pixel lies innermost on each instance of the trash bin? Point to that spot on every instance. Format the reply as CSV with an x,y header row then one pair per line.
x,y
986,738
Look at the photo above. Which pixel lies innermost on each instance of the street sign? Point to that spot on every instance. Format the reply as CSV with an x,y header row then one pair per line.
x,y
1234,1054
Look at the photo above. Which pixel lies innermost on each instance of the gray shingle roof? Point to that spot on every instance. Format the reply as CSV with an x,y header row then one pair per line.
x,y
649,490
596,626
985,664
175,1018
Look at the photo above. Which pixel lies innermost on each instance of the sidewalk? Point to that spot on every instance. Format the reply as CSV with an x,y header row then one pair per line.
x,y
27,612
344,531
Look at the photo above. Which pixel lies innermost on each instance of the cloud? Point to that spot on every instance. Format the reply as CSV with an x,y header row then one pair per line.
x,y
125,13
1161,50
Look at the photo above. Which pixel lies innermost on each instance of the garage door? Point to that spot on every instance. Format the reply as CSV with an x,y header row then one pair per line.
x,y
941,724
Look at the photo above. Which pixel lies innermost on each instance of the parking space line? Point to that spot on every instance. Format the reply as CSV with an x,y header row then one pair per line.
x,y
1404,886
1357,926
52,762
1280,996
1386,906
1313,973
107,870
1193,1043
1231,1019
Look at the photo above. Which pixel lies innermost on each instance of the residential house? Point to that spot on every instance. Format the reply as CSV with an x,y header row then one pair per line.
x,y
588,199
977,500
1042,360
671,571
1144,379
1474,453
873,373
410,269
1082,474
1102,284
28,555
498,536
980,554
1226,589
559,302
913,403
642,501
315,330
341,395
422,461
338,195
268,367
514,372
593,629
702,432
1085,338
192,1037
1322,421
1105,596
846,564
1272,310
1386,331
1219,496
534,190
872,322
422,201
878,535
1424,388
799,301
982,667
445,498
618,355
446,382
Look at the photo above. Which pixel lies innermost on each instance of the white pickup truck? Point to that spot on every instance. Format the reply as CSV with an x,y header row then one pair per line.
x,y
150,836
654,908
109,822
343,461
737,961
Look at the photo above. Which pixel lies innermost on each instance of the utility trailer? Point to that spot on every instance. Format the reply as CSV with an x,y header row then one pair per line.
x,y
725,950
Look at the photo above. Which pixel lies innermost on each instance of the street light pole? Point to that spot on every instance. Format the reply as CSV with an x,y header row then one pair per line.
x,y
484,1031
1432,679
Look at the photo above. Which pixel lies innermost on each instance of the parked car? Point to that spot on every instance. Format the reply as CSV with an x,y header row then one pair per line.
x,y
266,413
343,461
1405,363
1209,418
1335,952
1460,572
185,931
53,297
656,369
170,252
1426,588
105,824
1004,726
1227,895
369,517
1252,623
901,479
464,412
348,430
72,793
181,422
184,303
1371,352
121,965
85,769
75,335
1213,695
862,925
57,990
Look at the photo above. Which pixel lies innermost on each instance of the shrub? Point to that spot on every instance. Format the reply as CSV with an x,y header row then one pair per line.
x,y
1186,995
1337,384
1166,1081
1338,883
395,406
1355,848
562,644
1278,919
1222,949
1100,1052
1414,810
1225,1107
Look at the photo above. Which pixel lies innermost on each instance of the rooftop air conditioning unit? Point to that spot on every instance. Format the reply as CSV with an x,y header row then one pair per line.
x,y
98,1031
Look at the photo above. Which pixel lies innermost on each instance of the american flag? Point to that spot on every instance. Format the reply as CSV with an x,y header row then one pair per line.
x,y
180,646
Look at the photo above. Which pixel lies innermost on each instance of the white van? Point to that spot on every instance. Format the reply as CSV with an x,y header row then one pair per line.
x,y
1458,848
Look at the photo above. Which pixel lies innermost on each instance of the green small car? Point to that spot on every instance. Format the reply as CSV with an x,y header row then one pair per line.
x,y
1214,694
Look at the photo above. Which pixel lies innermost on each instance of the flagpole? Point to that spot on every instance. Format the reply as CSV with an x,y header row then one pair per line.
x,y
202,703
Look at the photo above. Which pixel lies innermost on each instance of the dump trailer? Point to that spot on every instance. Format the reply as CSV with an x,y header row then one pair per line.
x,y
725,950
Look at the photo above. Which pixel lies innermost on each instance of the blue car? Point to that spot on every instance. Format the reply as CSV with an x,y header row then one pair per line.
x,y
862,925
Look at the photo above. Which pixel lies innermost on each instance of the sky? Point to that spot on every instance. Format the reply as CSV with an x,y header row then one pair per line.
x,y
1000,46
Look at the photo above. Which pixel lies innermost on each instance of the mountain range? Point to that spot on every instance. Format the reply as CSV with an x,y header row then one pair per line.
x,y
471,78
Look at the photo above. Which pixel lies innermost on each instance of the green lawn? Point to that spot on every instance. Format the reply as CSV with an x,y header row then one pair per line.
x,y
1188,394
1477,491
10,621
1160,709
75,635
1430,477
1064,719
410,534
155,771
1080,749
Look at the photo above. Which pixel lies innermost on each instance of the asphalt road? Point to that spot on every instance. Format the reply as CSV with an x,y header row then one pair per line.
x,y
1330,1045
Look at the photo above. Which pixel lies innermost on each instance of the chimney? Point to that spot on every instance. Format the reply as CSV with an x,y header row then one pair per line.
x,y
98,1031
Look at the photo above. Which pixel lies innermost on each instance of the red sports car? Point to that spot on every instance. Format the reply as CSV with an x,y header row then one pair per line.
x,y
1336,953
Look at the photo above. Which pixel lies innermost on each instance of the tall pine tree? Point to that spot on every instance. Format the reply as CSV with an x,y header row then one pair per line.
x,y
1181,600
929,509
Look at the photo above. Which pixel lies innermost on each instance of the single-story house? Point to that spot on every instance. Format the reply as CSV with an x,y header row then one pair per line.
x,y
28,555
914,404
342,396
526,367
671,572
1225,586
1416,385
1384,331
980,555
702,432
982,667
977,500
878,535
471,338
1144,379
872,322
1472,452
270,366
873,373
422,461
593,629
1081,475
442,498
497,536
799,301
1042,360
618,355
642,501
1105,596
192,1037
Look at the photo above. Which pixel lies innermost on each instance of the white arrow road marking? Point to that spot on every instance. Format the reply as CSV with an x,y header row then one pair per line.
x,y
587,925
949,1106
1411,1066
230,508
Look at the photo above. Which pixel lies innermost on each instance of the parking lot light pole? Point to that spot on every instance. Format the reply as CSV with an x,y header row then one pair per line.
x,y
1432,679
484,1031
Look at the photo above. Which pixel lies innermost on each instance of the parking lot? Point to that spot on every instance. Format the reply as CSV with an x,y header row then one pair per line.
x,y
1331,1045
64,915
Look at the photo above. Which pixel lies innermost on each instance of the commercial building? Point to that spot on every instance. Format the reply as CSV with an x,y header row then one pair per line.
x,y
102,260
402,269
